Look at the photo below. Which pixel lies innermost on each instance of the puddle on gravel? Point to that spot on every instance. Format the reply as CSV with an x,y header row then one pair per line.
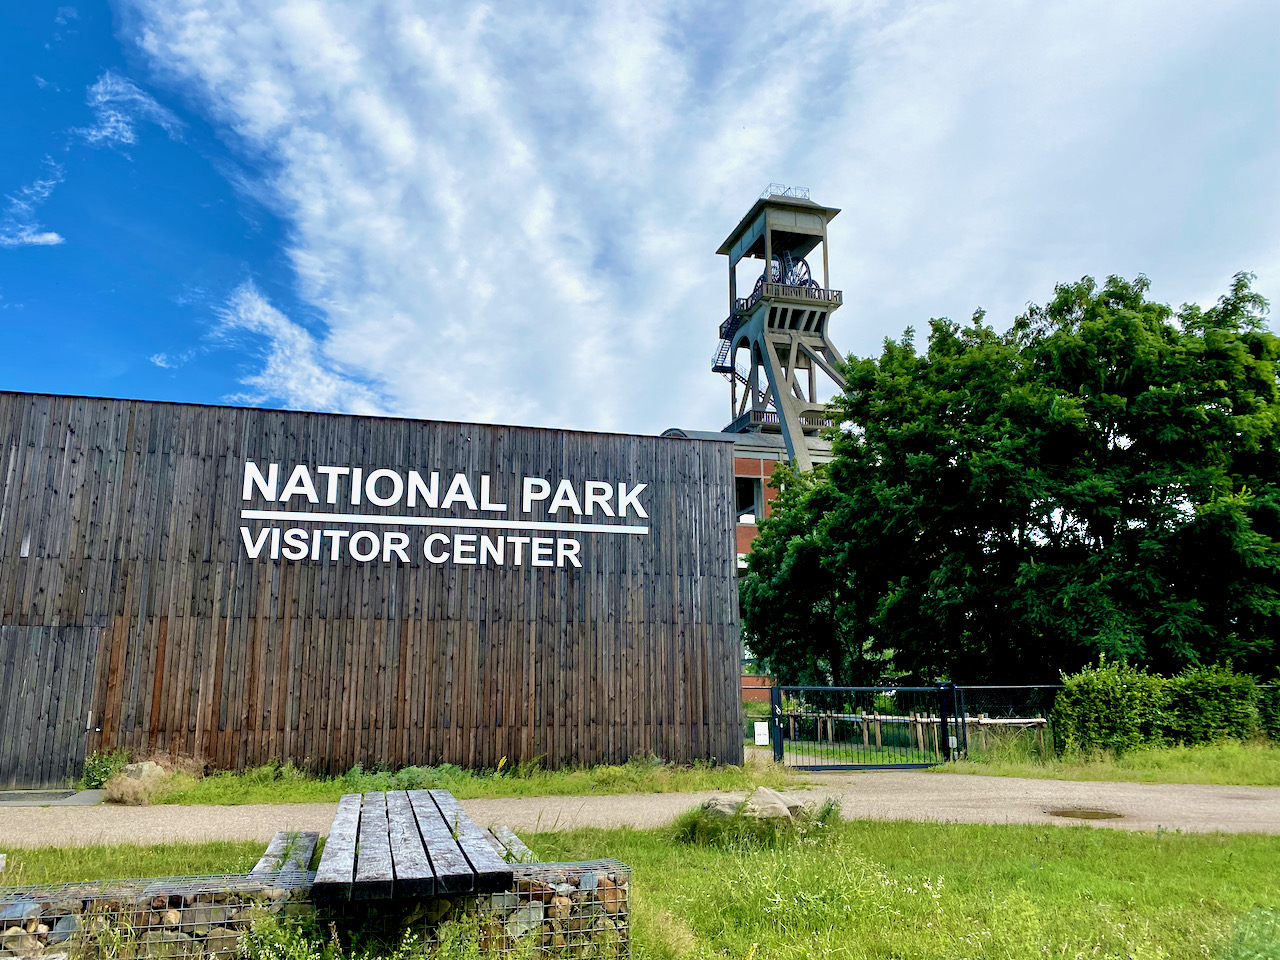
x,y
1086,814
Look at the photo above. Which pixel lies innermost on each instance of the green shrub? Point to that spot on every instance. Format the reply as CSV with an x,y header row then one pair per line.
x,y
1112,706
101,766
1205,704
1269,710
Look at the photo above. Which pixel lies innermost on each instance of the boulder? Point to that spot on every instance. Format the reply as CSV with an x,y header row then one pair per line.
x,y
762,803
142,771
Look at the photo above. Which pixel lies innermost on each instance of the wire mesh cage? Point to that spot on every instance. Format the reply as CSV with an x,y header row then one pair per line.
x,y
552,910
578,909
153,917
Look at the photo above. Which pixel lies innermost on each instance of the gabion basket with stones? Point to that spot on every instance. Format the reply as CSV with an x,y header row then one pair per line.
x,y
553,910
158,917
580,909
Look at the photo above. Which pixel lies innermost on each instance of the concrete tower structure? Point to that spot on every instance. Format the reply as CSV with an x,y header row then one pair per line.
x,y
775,342
774,345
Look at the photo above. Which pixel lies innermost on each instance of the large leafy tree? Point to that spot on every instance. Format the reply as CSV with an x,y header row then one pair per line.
x,y
1103,478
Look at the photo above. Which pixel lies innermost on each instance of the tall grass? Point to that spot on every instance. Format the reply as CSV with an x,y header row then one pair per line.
x,y
1227,762
285,783
890,890
29,865
881,890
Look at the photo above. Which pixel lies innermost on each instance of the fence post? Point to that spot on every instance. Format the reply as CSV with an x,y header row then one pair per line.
x,y
775,703
945,691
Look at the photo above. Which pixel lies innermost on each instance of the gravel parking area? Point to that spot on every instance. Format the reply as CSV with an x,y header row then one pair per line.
x,y
876,795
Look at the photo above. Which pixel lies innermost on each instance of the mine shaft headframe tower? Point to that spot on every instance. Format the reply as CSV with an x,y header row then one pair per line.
x,y
782,323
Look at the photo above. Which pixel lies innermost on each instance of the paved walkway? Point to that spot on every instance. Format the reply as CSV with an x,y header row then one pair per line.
x,y
879,795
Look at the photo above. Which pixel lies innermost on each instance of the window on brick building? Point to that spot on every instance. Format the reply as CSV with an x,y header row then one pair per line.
x,y
750,499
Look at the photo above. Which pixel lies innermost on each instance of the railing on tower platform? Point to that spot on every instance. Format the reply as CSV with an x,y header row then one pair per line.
x,y
775,291
770,417
786,291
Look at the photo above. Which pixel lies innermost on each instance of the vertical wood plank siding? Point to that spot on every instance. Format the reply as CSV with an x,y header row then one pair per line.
x,y
133,617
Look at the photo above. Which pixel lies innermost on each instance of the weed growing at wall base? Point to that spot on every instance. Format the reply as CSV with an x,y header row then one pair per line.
x,y
285,783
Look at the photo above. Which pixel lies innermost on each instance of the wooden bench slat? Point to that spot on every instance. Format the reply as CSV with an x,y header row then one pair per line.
x,y
375,875
452,870
414,876
515,846
301,847
270,859
304,848
492,872
337,867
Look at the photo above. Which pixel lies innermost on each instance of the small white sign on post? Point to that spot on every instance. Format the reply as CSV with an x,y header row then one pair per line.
x,y
762,733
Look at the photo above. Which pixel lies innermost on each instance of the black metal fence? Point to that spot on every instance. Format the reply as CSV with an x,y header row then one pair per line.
x,y
1004,720
864,727
845,728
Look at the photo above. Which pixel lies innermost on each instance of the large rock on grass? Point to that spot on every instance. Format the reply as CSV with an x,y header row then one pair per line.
x,y
761,804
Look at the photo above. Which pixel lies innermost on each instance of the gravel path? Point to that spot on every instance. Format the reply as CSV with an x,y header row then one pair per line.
x,y
879,795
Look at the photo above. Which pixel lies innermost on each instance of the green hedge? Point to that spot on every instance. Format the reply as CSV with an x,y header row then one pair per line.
x,y
1111,707
1269,710
1117,707
1210,703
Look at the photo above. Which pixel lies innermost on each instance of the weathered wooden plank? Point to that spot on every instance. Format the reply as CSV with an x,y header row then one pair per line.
x,y
516,847
492,872
375,872
413,873
288,851
453,872
336,873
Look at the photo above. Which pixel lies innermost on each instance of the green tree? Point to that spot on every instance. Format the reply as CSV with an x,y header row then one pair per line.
x,y
1100,479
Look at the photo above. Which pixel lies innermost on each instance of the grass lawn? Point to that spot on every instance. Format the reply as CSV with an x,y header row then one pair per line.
x,y
277,783
885,890
1229,762
121,862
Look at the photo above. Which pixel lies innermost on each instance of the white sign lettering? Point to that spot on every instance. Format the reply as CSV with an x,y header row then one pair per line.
x,y
541,511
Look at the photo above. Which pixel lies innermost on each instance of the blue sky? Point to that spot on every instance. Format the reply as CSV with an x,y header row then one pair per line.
x,y
509,213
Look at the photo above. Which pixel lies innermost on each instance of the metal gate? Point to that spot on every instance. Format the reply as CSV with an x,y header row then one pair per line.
x,y
864,728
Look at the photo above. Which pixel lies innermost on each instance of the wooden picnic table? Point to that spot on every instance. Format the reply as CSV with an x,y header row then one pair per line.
x,y
414,843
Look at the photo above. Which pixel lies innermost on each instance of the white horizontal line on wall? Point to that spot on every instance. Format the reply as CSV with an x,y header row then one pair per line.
x,y
474,522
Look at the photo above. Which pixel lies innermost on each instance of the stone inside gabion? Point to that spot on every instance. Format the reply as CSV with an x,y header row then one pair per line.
x,y
562,909
89,922
580,910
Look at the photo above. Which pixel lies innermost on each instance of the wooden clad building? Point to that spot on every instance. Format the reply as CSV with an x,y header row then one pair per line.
x,y
247,584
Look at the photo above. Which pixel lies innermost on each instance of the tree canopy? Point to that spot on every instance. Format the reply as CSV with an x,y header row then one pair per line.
x,y
1102,478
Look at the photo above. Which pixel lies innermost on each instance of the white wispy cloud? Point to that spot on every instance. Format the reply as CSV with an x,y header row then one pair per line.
x,y
119,105
18,226
294,370
510,213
